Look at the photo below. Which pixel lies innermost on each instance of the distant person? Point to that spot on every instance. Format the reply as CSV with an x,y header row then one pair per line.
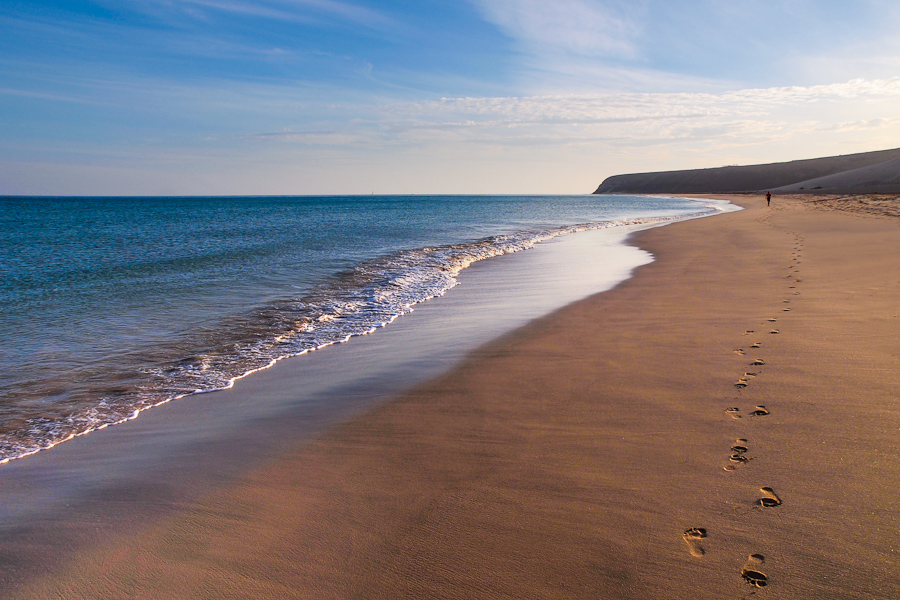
x,y
768,199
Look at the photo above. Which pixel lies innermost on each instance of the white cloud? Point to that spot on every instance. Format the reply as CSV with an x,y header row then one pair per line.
x,y
863,125
536,144
660,117
296,11
581,27
664,45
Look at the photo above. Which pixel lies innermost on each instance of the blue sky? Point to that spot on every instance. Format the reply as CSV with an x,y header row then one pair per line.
x,y
465,96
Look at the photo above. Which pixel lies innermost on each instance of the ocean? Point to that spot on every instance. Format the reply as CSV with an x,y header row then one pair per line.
x,y
110,306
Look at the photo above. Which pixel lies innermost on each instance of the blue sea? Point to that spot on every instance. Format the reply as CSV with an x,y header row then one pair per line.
x,y
110,306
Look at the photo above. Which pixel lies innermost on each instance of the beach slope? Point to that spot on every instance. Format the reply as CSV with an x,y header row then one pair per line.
x,y
725,420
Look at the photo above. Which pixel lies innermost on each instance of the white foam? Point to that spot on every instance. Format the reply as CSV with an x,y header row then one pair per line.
x,y
390,288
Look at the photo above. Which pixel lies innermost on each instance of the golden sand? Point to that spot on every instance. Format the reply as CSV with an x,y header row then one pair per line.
x,y
726,423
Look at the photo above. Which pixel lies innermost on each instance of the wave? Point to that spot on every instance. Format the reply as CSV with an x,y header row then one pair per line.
x,y
352,303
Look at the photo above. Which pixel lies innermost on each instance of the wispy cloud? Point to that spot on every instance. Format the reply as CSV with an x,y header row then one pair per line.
x,y
674,44
649,116
351,12
582,27
866,125
55,97
302,11
542,88
537,144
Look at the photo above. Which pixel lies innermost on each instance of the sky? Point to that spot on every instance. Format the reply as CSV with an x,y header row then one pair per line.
x,y
229,97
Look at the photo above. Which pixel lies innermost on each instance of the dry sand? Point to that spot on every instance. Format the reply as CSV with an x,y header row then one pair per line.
x,y
614,449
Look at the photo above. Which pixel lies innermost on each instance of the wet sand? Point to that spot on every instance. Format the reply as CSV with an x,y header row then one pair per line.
x,y
723,424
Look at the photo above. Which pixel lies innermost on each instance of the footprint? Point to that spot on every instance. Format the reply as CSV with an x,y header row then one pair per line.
x,y
741,383
748,332
751,572
761,411
693,536
739,351
787,310
734,412
756,345
774,332
738,453
739,446
770,499
772,320
758,363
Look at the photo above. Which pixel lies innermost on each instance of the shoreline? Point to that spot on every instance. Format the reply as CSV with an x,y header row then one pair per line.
x,y
274,349
182,450
572,456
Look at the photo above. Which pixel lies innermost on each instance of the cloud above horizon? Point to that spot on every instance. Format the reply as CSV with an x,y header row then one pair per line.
x,y
657,118
583,27
643,44
329,96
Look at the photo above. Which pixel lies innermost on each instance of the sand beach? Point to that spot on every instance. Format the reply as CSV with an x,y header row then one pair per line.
x,y
724,424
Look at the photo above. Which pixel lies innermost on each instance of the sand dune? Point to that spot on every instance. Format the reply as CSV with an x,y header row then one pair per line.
x,y
880,178
868,172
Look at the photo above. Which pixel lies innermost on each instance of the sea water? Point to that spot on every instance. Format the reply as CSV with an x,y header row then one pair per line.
x,y
109,306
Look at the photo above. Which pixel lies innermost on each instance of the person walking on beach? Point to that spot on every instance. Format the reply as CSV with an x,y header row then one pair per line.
x,y
768,199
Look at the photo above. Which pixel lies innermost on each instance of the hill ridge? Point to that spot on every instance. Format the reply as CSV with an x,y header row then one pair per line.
x,y
865,172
